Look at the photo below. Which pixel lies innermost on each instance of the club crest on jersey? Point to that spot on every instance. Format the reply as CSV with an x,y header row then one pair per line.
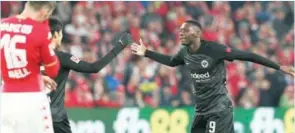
x,y
75,59
204,63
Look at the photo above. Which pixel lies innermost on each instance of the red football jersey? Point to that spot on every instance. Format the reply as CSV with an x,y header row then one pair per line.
x,y
25,46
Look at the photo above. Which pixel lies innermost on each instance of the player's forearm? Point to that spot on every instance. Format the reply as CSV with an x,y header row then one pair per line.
x,y
98,65
52,70
247,56
163,59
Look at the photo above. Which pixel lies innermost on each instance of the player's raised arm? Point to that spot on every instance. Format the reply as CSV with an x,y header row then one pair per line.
x,y
49,59
74,63
236,54
172,61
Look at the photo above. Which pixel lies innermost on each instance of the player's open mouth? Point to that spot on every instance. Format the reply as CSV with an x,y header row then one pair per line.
x,y
182,39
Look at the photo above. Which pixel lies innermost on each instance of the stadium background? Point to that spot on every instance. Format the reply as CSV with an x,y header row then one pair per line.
x,y
156,98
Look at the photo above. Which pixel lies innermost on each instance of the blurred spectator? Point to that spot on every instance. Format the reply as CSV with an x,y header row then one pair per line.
x,y
263,87
248,97
287,99
186,99
279,24
105,101
81,96
237,79
64,10
166,96
277,86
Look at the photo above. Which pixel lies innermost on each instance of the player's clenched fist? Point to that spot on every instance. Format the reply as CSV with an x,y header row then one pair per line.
x,y
138,49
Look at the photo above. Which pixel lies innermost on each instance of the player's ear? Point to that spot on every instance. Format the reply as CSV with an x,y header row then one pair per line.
x,y
198,33
195,34
55,34
193,31
43,13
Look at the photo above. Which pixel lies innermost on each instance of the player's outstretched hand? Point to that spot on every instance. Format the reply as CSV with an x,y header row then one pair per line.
x,y
125,39
122,38
49,83
138,49
289,70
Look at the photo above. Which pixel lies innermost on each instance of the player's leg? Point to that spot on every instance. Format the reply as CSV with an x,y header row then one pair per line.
x,y
220,122
198,124
46,114
18,113
62,127
26,122
40,115
7,119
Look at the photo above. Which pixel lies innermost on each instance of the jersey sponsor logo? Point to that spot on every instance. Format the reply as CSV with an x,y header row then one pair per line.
x,y
200,76
75,59
204,63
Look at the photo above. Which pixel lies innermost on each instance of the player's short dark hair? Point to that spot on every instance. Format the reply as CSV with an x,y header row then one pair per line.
x,y
195,23
55,24
37,5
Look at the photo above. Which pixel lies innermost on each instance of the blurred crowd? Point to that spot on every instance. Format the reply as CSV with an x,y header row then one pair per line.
x,y
265,28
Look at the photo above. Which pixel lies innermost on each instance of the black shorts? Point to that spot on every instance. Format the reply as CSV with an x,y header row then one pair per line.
x,y
219,122
62,127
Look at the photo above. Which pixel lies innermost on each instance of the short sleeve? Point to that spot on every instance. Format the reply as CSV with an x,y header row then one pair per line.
x,y
47,49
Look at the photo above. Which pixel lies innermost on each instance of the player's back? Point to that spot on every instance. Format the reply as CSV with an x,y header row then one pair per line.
x,y
21,46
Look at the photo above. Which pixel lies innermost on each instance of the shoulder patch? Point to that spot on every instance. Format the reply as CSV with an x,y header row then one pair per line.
x,y
75,59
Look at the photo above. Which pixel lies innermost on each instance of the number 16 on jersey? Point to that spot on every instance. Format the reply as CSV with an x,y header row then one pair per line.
x,y
15,58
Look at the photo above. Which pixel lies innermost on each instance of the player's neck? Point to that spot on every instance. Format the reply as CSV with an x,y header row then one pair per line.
x,y
58,48
55,46
28,14
194,47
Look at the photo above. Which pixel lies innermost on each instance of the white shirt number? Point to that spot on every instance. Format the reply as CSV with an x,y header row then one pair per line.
x,y
15,58
212,126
